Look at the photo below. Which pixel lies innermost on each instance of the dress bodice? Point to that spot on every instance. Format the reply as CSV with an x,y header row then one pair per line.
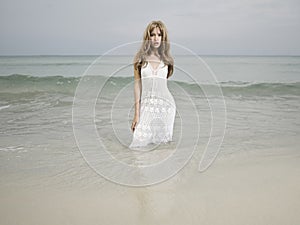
x,y
154,81
148,71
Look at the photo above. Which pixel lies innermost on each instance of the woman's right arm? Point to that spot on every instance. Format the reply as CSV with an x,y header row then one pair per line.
x,y
137,98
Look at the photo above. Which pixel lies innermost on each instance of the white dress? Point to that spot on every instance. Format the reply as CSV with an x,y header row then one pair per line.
x,y
157,108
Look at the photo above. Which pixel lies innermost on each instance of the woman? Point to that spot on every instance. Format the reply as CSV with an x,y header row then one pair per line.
x,y
155,107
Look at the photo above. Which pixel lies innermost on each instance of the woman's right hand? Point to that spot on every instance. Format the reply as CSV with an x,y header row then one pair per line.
x,y
134,123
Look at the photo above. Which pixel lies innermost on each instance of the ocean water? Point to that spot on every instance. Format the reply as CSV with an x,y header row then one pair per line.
x,y
255,101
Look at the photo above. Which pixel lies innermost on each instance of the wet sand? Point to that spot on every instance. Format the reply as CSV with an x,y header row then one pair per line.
x,y
245,188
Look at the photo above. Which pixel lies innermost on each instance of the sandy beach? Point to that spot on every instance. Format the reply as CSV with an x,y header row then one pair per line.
x,y
249,188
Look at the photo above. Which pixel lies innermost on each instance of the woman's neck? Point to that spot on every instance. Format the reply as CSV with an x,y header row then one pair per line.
x,y
154,54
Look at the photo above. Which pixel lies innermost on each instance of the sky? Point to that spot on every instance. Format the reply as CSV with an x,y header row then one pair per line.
x,y
93,27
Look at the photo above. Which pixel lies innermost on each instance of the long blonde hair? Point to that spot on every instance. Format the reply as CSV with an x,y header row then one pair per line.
x,y
163,50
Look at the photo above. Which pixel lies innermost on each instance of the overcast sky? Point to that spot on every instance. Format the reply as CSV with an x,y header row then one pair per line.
x,y
238,27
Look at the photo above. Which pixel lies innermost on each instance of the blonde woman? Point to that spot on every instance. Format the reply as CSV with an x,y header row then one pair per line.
x,y
155,107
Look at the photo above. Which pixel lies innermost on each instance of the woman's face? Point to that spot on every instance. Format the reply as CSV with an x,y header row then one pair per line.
x,y
155,37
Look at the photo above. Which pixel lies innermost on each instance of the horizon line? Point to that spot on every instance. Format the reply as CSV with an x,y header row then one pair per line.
x,y
269,55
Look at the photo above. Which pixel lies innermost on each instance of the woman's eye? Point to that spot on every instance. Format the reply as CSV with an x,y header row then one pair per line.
x,y
151,35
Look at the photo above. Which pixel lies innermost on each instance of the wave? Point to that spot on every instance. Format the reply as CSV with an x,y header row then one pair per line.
x,y
4,107
20,84
246,89
25,84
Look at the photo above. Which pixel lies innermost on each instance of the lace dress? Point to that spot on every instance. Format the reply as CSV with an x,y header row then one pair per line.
x,y
157,108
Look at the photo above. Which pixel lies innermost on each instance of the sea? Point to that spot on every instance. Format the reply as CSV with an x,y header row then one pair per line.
x,y
54,109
